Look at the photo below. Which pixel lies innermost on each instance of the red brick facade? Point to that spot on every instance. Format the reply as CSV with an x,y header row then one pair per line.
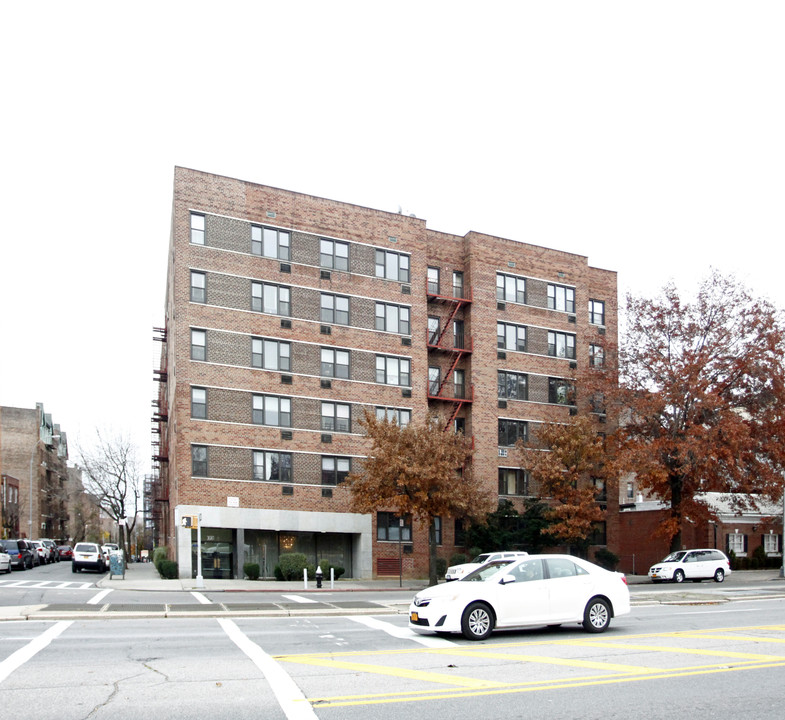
x,y
215,331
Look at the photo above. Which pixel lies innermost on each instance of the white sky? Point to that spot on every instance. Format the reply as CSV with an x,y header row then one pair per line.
x,y
648,136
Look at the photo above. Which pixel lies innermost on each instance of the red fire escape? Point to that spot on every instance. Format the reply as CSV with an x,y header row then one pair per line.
x,y
455,351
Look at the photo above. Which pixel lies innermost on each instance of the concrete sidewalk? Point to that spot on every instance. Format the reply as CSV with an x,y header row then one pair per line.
x,y
144,576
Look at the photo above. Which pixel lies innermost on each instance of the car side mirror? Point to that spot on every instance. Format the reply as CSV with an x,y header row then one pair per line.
x,y
507,579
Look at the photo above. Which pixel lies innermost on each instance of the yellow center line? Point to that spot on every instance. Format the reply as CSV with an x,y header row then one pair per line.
x,y
545,660
689,651
461,681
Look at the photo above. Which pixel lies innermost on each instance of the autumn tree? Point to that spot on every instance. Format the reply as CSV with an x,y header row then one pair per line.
x,y
565,463
420,470
110,472
700,398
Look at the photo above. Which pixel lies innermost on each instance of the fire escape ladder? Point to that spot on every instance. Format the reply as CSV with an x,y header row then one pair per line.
x,y
453,364
448,322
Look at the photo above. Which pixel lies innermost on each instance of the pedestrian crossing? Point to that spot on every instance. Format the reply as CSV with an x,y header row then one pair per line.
x,y
47,584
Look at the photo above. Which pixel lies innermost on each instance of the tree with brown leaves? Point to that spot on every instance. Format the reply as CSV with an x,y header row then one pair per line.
x,y
567,458
701,399
418,470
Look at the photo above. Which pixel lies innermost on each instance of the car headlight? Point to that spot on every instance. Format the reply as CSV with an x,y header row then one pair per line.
x,y
421,602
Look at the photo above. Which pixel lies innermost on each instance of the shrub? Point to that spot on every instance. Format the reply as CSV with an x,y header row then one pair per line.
x,y
441,566
474,552
160,553
325,565
251,570
458,559
607,559
734,562
292,565
167,569
278,572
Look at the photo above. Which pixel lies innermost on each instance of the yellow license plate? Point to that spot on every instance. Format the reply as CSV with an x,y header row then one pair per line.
x,y
414,617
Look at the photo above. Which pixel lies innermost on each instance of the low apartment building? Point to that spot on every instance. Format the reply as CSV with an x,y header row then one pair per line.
x,y
288,316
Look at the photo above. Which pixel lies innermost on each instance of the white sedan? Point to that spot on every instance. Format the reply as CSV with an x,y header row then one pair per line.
x,y
5,561
537,590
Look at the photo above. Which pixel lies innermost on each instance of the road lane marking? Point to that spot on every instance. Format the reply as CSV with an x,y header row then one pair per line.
x,y
714,652
21,656
48,584
299,599
201,598
404,633
409,674
291,699
100,596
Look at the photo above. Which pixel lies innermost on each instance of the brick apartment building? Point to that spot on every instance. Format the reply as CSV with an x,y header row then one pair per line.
x,y
288,315
33,459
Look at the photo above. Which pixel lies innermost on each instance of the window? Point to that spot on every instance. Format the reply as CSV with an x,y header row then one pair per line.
x,y
198,344
272,410
271,354
433,330
596,312
272,466
334,309
511,337
392,318
197,229
510,431
271,243
401,416
510,288
460,532
336,416
561,298
393,370
600,491
457,284
334,254
459,383
630,490
457,333
335,363
389,527
273,299
198,403
771,543
198,287
434,380
737,543
561,345
392,265
437,526
198,460
596,355
513,386
433,280
513,481
599,533
335,469
560,391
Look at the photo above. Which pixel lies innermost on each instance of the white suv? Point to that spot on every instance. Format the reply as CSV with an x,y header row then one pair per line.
x,y
456,572
695,565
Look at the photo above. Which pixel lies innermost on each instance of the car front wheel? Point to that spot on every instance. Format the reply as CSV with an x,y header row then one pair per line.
x,y
597,616
719,575
678,576
477,621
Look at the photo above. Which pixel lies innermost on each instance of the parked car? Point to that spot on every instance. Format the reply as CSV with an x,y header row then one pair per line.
x,y
65,552
5,561
536,590
51,550
88,556
22,555
41,552
695,565
456,572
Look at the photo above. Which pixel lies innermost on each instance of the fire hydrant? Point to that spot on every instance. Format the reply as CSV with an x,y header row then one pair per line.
x,y
319,576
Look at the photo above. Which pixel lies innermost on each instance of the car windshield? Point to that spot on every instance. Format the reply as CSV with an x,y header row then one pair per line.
x,y
675,556
483,573
10,545
482,558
